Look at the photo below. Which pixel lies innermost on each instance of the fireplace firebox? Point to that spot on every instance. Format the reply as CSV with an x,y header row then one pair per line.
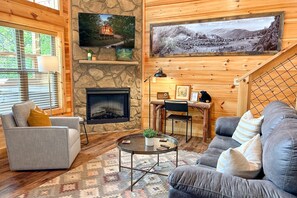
x,y
108,105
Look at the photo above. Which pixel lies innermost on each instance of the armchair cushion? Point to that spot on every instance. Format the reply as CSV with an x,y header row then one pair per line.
x,y
21,112
70,122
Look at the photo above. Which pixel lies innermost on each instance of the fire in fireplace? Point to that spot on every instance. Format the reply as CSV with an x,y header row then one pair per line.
x,y
108,105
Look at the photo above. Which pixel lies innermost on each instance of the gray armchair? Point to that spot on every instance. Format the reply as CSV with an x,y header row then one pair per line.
x,y
36,148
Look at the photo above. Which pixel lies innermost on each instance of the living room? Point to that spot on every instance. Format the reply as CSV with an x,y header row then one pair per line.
x,y
236,80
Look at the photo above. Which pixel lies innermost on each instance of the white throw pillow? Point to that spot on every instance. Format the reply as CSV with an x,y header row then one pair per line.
x,y
247,127
244,161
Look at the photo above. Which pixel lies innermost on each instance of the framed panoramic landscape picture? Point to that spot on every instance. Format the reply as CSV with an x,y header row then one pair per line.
x,y
252,34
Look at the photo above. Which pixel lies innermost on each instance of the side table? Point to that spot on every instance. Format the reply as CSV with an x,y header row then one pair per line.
x,y
83,123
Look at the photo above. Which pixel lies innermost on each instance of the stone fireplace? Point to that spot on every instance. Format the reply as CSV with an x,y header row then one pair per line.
x,y
108,105
99,76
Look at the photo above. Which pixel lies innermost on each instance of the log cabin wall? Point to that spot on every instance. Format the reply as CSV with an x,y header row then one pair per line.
x,y
215,74
34,16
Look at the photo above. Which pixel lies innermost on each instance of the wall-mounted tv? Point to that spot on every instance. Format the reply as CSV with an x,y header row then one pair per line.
x,y
106,30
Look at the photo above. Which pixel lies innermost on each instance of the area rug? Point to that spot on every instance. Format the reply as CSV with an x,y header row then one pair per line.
x,y
100,177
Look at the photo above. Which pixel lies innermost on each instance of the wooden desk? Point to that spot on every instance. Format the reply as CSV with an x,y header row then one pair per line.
x,y
204,108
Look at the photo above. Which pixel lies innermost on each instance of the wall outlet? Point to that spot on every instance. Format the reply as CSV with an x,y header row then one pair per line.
x,y
235,81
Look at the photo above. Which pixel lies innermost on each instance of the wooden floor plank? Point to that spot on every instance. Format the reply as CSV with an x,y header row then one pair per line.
x,y
13,183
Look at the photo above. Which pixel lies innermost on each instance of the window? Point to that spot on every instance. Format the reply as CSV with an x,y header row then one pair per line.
x,y
48,3
19,76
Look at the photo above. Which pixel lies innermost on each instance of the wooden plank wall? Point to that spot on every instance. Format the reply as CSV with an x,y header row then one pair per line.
x,y
34,16
215,74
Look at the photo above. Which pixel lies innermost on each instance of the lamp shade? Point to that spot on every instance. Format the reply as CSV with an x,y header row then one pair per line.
x,y
47,63
160,73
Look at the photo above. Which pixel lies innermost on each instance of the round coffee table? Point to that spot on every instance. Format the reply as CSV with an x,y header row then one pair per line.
x,y
162,144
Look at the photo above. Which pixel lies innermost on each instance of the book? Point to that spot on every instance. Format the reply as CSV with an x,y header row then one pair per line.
x,y
163,140
126,142
162,148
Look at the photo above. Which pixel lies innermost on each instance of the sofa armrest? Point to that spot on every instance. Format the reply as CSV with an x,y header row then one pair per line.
x,y
226,126
202,182
31,148
71,122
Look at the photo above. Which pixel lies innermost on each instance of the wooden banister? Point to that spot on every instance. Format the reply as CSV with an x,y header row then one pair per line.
x,y
247,80
272,62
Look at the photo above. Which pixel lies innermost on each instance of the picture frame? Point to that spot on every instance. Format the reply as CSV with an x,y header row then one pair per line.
x,y
194,96
162,95
234,35
182,92
124,54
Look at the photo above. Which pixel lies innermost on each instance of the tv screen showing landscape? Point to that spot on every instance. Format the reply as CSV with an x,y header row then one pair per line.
x,y
106,30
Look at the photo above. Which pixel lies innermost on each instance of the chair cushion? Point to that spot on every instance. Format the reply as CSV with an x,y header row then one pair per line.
x,y
280,156
21,112
247,128
73,136
243,161
38,117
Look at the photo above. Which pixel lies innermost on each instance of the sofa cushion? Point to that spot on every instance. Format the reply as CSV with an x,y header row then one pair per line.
x,y
210,157
226,126
243,161
274,113
280,156
223,142
21,112
247,128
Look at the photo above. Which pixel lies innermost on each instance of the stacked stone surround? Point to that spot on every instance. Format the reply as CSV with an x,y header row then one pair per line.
x,y
100,76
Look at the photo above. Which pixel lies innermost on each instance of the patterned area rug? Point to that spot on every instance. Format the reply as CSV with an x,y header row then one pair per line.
x,y
100,177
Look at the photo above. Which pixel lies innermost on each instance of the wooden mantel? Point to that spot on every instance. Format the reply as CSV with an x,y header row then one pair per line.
x,y
108,62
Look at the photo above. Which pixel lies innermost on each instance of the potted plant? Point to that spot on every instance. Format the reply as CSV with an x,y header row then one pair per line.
x,y
149,135
90,54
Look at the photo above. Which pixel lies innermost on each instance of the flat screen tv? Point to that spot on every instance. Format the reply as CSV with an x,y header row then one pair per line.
x,y
106,30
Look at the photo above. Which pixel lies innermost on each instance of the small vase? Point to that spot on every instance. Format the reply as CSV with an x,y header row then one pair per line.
x,y
149,141
89,56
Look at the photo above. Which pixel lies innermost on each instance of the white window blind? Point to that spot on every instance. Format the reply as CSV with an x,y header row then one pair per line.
x,y
48,3
19,77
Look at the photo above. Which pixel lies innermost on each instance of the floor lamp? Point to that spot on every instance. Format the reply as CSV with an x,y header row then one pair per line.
x,y
158,74
48,64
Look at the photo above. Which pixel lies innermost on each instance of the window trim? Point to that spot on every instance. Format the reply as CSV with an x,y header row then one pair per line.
x,y
39,6
32,29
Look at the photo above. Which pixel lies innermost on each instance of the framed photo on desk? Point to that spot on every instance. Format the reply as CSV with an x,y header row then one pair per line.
x,y
182,92
194,96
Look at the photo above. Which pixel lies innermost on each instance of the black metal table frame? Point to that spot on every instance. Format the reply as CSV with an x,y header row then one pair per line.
x,y
142,170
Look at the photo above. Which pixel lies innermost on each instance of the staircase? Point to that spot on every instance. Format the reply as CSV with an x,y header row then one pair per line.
x,y
275,79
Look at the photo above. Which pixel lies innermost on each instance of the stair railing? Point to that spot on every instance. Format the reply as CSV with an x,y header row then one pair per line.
x,y
275,79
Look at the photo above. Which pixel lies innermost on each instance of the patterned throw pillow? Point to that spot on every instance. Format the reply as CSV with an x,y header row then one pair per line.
x,y
38,117
244,161
247,128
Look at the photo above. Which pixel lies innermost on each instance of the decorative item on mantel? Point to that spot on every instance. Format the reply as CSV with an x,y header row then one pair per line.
x,y
124,54
90,54
149,135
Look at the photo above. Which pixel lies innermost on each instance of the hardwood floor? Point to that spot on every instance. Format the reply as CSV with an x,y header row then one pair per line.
x,y
14,183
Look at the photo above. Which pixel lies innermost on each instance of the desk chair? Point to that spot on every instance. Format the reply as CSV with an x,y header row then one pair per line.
x,y
178,106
